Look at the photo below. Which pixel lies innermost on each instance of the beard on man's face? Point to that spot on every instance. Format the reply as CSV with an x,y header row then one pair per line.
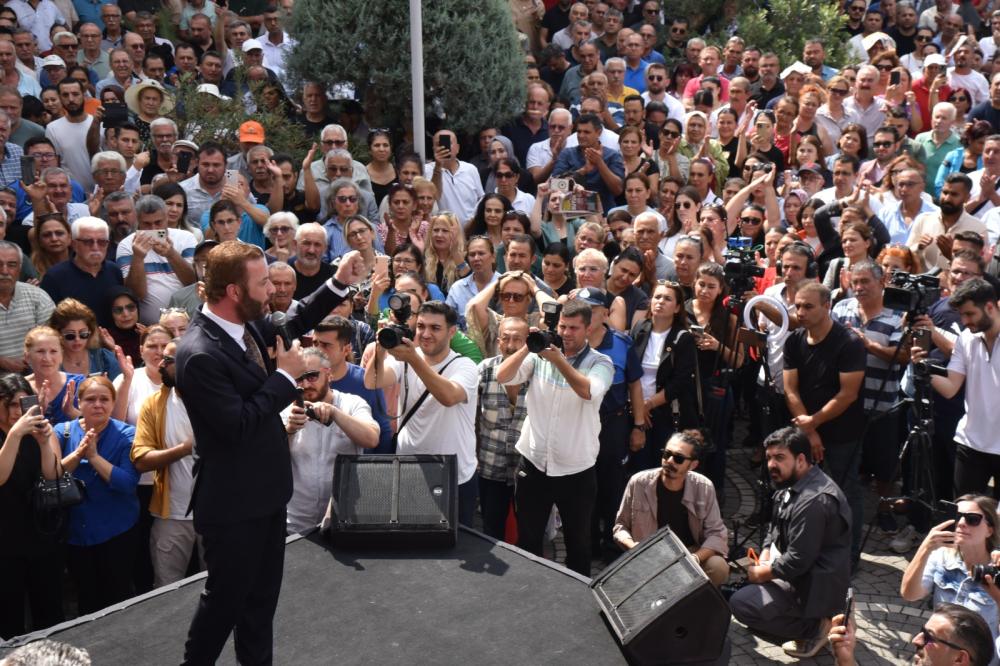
x,y
249,309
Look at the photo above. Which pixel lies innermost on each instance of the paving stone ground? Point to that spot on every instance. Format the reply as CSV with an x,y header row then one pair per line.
x,y
886,623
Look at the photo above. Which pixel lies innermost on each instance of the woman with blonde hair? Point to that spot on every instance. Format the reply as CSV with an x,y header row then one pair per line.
x,y
445,252
56,389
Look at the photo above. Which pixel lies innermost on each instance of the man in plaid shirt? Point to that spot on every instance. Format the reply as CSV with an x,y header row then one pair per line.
x,y
498,425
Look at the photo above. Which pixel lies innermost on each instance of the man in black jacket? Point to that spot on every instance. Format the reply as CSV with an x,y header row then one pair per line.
x,y
805,567
234,393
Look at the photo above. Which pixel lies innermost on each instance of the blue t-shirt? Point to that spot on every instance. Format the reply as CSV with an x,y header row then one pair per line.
x,y
354,383
619,348
54,412
250,231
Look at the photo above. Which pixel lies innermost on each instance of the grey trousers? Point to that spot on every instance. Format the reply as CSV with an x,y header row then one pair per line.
x,y
771,609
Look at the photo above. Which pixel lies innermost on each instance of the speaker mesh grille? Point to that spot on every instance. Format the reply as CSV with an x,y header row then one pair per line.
x,y
422,494
374,503
640,591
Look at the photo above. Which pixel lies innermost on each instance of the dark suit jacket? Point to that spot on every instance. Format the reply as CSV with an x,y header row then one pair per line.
x,y
244,468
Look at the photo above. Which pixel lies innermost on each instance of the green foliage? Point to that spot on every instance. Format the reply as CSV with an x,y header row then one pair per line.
x,y
472,62
205,118
785,28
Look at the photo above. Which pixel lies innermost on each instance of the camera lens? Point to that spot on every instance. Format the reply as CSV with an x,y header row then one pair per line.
x,y
537,341
389,337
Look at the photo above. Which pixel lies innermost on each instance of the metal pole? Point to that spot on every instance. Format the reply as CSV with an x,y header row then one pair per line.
x,y
417,75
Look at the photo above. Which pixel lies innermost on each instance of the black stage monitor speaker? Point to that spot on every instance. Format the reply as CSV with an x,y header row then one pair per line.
x,y
661,605
384,500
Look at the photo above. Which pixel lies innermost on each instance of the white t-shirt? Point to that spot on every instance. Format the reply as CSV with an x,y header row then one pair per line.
x,y
141,388
974,82
651,362
979,426
161,281
434,428
176,431
70,141
775,342
314,450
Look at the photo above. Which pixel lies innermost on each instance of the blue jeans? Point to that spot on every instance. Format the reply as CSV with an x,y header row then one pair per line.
x,y
842,463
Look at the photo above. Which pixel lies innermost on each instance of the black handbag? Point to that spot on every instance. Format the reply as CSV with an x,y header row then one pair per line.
x,y
62,492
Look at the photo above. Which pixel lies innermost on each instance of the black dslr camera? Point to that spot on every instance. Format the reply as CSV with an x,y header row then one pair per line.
x,y
395,332
981,570
540,340
912,294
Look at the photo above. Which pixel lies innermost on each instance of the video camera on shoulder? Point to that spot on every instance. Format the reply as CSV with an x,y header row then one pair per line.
x,y
539,340
912,294
395,332
741,265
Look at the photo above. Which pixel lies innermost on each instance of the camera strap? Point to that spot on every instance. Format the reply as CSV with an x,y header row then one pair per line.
x,y
423,396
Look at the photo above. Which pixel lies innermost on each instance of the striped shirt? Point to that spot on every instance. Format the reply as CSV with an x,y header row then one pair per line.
x,y
560,433
885,329
498,424
29,307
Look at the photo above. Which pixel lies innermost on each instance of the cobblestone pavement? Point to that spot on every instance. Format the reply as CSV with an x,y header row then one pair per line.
x,y
885,622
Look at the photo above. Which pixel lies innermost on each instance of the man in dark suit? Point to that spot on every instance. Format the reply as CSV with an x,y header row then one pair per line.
x,y
234,393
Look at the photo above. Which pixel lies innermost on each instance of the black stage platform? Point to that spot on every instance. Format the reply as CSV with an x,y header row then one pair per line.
x,y
481,603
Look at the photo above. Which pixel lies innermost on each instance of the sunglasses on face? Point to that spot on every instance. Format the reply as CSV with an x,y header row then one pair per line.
x,y
512,297
971,519
750,220
683,204
922,38
929,638
505,174
70,336
670,134
122,309
678,458
310,376
884,68
839,91
347,199
882,144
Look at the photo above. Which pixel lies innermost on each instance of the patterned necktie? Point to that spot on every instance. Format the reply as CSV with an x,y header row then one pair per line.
x,y
253,351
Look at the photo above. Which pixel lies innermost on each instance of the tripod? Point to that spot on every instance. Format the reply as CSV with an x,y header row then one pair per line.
x,y
918,444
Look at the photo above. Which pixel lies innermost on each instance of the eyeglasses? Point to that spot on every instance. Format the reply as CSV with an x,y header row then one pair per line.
x,y
929,637
971,519
281,230
122,309
882,144
341,198
512,297
683,204
747,219
309,376
44,156
97,242
959,98
505,174
678,458
358,233
922,38
334,142
70,336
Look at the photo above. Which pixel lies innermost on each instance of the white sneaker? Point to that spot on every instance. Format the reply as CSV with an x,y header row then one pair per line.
x,y
903,541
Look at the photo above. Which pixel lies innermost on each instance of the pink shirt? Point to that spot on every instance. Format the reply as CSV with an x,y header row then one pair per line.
x,y
694,85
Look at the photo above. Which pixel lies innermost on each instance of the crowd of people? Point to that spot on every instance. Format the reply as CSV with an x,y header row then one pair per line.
x,y
558,302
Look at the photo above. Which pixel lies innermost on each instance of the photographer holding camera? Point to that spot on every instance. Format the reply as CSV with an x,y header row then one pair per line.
x,y
437,401
325,424
559,442
954,563
975,364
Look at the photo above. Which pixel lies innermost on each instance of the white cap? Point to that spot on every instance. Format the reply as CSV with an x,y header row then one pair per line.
x,y
53,61
935,59
210,89
252,44
796,67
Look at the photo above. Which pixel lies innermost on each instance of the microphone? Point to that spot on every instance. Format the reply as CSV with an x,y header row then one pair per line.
x,y
280,321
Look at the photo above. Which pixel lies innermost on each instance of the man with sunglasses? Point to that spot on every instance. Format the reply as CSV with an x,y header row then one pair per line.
x,y
87,276
328,423
677,496
163,445
657,78
952,635
804,568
